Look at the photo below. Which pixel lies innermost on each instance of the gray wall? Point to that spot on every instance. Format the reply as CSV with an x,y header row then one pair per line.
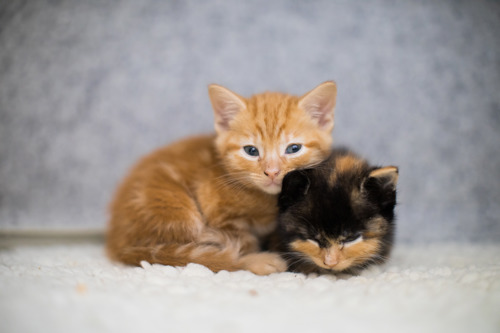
x,y
86,87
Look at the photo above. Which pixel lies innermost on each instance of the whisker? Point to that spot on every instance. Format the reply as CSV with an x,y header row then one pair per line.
x,y
296,258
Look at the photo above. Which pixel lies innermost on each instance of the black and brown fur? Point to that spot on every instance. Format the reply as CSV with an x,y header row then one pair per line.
x,y
324,210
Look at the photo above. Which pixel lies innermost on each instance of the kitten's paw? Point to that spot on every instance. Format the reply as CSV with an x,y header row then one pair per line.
x,y
263,263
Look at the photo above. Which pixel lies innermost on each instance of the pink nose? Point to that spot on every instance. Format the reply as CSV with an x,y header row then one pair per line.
x,y
272,173
330,260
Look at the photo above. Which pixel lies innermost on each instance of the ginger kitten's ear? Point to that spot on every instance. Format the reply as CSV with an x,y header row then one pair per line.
x,y
226,105
320,104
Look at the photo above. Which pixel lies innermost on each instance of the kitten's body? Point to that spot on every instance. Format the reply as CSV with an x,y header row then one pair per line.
x,y
210,199
338,216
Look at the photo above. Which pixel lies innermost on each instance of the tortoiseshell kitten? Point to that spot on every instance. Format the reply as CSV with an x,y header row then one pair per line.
x,y
337,217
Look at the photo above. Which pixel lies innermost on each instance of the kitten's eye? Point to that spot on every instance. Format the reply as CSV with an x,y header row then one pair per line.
x,y
293,148
312,241
251,150
352,239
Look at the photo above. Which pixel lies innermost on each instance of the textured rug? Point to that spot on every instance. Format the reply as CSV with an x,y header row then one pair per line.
x,y
74,288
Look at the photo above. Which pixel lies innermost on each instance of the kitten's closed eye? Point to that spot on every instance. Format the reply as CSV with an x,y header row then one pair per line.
x,y
312,241
346,241
352,239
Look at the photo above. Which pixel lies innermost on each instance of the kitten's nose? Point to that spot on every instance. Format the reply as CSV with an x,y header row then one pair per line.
x,y
330,260
272,172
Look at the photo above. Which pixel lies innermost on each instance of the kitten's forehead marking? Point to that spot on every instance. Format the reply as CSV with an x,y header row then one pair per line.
x,y
357,200
344,164
270,111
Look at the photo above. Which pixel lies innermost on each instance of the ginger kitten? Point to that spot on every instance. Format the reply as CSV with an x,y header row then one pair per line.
x,y
210,199
337,217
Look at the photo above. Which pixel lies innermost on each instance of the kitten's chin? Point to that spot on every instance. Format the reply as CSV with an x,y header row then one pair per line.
x,y
272,188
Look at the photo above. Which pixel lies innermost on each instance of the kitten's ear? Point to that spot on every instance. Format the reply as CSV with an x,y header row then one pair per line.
x,y
319,103
381,185
295,185
226,105
387,177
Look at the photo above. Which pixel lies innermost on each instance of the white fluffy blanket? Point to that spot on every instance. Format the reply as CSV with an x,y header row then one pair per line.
x,y
437,288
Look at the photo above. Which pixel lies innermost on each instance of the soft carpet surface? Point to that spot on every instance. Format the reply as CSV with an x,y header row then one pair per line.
x,y
74,288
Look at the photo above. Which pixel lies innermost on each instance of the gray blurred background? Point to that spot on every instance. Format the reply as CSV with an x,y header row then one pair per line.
x,y
87,87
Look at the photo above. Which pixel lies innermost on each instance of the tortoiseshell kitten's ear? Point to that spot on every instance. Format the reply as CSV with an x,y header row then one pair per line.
x,y
380,187
295,187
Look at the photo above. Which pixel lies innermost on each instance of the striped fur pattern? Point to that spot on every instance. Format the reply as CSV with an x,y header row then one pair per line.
x,y
337,217
210,199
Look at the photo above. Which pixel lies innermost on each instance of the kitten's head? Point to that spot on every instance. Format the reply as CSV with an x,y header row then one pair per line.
x,y
263,137
339,215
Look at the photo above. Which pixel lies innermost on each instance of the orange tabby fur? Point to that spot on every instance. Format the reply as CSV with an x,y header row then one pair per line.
x,y
204,200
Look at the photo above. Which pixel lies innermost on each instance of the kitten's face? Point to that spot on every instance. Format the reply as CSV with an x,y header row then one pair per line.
x,y
338,216
264,137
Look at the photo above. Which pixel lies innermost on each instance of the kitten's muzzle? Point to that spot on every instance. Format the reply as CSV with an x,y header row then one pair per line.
x,y
272,173
331,259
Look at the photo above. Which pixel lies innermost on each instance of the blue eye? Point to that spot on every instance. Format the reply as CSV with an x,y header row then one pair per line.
x,y
251,150
293,148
